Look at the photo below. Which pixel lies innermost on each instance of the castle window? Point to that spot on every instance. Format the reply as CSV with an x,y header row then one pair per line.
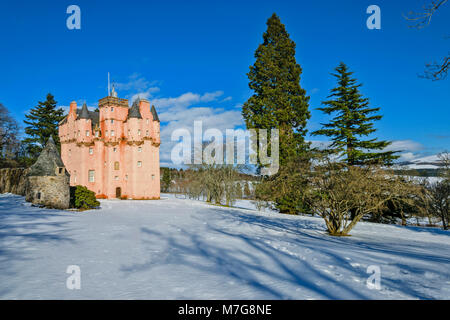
x,y
126,177
146,133
112,133
116,165
140,149
129,133
91,175
87,133
91,150
112,120
60,170
153,177
106,133
38,196
147,121
139,132
139,164
116,178
114,149
96,133
112,109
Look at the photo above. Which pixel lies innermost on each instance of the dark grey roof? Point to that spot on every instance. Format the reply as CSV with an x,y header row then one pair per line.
x,y
93,115
155,115
47,162
84,112
134,111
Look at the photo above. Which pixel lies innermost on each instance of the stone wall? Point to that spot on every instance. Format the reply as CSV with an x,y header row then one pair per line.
x,y
13,180
49,191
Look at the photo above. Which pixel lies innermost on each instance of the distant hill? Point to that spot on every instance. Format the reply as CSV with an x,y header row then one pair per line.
x,y
425,167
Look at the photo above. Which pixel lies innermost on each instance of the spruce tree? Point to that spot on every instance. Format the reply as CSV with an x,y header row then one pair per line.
x,y
42,122
353,120
278,100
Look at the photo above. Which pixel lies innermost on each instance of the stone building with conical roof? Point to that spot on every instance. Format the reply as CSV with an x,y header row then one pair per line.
x,y
48,179
113,152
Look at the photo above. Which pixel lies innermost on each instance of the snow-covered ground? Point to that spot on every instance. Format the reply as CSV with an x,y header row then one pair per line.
x,y
183,249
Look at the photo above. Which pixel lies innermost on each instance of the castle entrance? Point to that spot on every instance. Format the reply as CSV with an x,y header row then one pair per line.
x,y
118,192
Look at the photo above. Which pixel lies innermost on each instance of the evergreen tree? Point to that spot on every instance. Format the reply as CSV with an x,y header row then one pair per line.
x,y
278,100
166,180
42,122
353,119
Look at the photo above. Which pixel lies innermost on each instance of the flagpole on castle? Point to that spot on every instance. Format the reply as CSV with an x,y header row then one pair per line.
x,y
109,91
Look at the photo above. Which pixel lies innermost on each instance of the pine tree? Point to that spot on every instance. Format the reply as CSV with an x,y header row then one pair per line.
x,y
353,120
42,122
166,180
278,100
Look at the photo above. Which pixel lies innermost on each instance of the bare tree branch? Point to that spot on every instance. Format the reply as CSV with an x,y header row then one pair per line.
x,y
435,70
423,19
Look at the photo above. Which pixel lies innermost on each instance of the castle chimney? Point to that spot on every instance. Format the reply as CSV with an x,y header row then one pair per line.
x,y
73,108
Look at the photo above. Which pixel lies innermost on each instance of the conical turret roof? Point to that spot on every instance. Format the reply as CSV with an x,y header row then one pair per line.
x,y
134,111
48,161
155,115
84,114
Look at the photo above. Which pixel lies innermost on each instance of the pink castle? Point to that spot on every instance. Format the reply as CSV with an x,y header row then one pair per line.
x,y
113,152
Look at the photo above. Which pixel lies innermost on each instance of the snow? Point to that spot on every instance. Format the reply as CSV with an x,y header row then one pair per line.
x,y
184,249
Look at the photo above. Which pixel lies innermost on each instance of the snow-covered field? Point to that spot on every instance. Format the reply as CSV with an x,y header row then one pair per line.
x,y
183,249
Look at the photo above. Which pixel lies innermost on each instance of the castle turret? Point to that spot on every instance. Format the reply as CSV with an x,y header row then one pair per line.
x,y
48,179
154,114
134,111
84,114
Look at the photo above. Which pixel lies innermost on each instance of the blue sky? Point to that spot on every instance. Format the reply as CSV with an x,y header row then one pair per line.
x,y
190,58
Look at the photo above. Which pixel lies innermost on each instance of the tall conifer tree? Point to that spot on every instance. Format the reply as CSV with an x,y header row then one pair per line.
x,y
42,122
353,120
278,100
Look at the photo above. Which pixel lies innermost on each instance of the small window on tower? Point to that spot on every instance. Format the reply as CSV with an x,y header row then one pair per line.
x,y
139,164
146,133
140,149
87,133
116,178
112,133
96,133
112,120
91,150
106,133
60,170
139,132
147,121
116,165
112,109
114,149
153,177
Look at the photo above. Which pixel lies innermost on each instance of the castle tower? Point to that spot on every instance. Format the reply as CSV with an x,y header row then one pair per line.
x,y
113,152
48,180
